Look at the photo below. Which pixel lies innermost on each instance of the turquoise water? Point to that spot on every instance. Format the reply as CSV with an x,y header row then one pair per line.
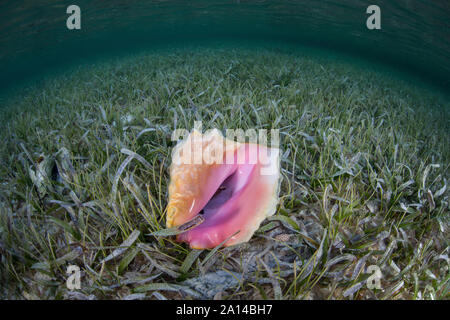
x,y
34,39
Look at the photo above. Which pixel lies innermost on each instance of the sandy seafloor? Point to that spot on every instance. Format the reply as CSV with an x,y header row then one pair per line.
x,y
365,156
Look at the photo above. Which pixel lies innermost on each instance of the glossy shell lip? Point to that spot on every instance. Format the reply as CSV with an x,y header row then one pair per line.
x,y
233,195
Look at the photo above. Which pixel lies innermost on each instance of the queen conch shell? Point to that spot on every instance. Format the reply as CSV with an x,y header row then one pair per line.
x,y
233,186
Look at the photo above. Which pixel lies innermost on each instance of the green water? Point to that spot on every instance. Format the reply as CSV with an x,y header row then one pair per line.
x,y
86,123
34,39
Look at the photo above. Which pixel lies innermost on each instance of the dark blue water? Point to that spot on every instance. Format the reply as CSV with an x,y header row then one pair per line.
x,y
34,40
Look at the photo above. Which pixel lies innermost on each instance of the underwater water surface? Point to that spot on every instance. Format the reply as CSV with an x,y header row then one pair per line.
x,y
414,34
